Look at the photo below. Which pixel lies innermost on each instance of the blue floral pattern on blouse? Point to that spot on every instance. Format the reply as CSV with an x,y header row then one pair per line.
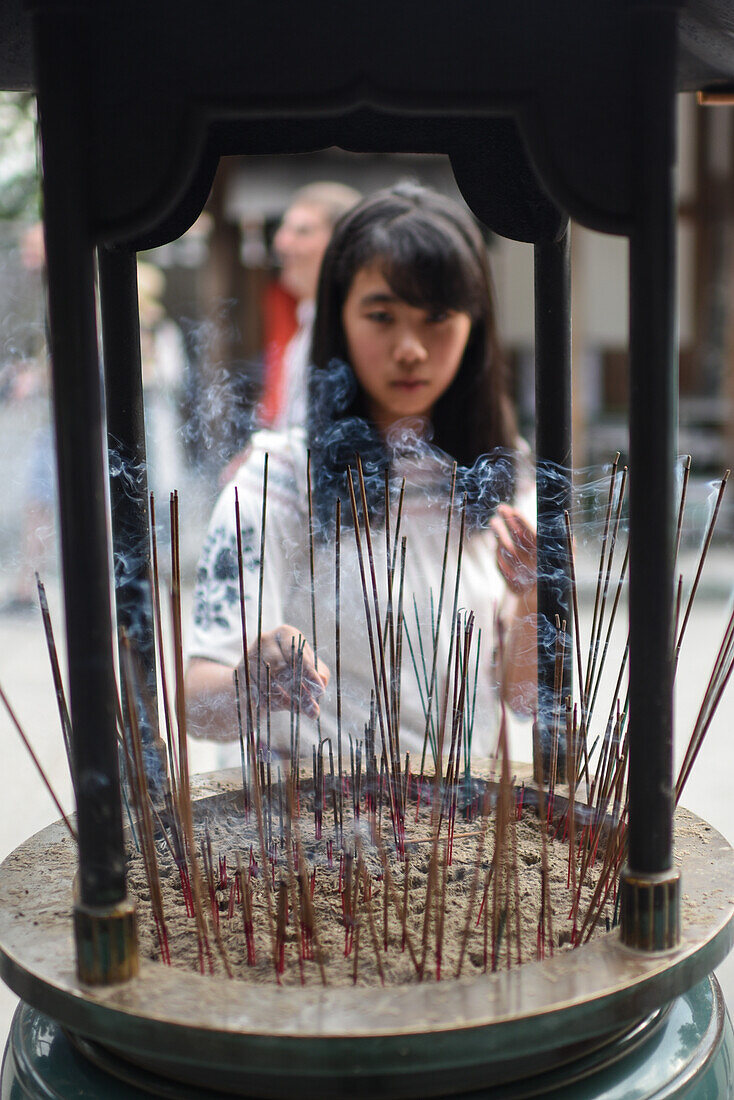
x,y
217,592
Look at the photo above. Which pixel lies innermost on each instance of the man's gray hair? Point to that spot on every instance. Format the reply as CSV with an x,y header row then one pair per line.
x,y
333,198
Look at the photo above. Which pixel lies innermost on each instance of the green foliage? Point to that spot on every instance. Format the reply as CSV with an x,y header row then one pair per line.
x,y
19,174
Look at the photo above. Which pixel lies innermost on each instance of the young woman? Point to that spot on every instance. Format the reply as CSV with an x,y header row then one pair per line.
x,y
407,374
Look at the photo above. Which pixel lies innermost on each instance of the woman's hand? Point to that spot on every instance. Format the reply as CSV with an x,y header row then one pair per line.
x,y
517,556
287,653
210,701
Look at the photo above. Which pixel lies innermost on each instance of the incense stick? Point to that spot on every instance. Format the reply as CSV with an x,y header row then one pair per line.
x,y
155,580
371,630
382,681
39,768
143,801
261,575
337,628
250,731
701,561
56,674
431,688
682,506
312,572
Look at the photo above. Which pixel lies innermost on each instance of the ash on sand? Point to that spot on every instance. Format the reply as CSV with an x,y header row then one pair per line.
x,y
513,918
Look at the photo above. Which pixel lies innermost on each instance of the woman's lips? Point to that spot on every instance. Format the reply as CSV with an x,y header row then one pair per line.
x,y
409,386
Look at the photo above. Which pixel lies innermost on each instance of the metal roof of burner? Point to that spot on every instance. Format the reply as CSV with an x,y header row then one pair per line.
x,y
174,86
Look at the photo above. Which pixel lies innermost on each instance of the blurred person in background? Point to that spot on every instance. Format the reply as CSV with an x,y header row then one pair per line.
x,y
299,244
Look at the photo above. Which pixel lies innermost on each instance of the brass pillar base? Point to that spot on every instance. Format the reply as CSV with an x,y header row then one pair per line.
x,y
650,910
106,943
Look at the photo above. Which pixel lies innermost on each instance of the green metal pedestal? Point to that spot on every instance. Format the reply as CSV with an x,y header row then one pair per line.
x,y
686,1051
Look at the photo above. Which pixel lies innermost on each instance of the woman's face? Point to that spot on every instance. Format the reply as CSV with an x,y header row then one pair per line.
x,y
404,357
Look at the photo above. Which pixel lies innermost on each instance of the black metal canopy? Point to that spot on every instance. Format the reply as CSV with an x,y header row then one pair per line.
x,y
167,88
545,110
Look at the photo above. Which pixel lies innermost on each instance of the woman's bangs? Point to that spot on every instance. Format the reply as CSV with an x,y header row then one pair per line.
x,y
429,268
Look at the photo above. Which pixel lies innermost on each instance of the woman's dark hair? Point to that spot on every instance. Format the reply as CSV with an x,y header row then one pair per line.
x,y
432,255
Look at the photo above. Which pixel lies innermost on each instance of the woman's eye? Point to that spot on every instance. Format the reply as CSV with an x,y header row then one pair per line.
x,y
381,316
436,316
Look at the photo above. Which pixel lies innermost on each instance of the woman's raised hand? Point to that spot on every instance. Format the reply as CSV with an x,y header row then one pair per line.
x,y
517,557
287,653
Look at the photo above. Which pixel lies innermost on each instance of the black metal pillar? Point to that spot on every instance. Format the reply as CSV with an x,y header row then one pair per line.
x,y
553,453
104,923
118,287
649,885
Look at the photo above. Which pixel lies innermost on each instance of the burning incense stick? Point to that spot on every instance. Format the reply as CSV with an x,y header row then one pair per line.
x,y
247,912
575,608
355,924
704,552
596,633
610,625
155,580
337,628
142,799
258,805
603,547
56,674
312,574
397,678
243,622
261,574
382,684
184,787
503,812
372,629
682,505
398,519
514,871
432,684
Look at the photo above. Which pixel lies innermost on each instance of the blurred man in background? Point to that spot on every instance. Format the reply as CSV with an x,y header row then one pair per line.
x,y
299,244
289,305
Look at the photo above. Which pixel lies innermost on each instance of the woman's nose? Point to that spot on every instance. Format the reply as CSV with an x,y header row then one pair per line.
x,y
409,348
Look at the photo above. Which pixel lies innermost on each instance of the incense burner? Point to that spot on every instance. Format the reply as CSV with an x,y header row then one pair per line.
x,y
580,1010
546,111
